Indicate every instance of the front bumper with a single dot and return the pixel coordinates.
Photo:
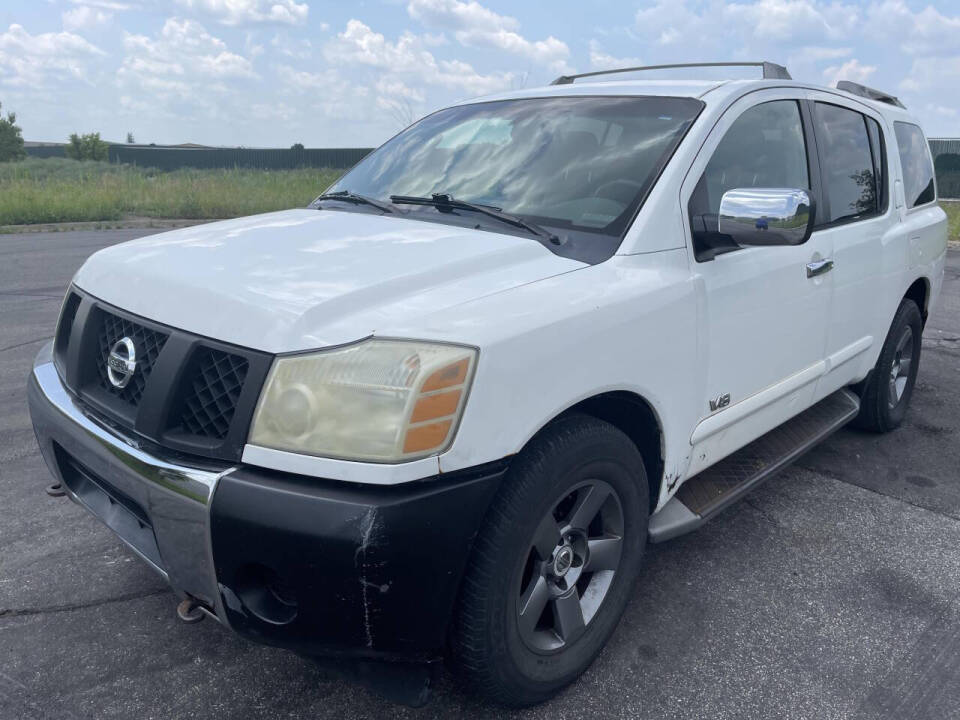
(314, 565)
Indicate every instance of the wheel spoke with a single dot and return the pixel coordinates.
(589, 502)
(904, 366)
(568, 617)
(900, 386)
(604, 554)
(533, 603)
(904, 339)
(547, 537)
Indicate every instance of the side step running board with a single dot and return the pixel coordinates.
(720, 485)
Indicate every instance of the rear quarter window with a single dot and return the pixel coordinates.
(918, 184)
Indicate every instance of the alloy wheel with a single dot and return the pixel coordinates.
(570, 566)
(900, 367)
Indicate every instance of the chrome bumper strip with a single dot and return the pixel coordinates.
(175, 498)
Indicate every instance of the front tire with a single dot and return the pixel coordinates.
(554, 563)
(886, 394)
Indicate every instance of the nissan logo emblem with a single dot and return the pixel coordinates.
(121, 362)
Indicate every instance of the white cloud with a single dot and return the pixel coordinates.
(456, 15)
(942, 110)
(291, 48)
(359, 44)
(602, 60)
(183, 64)
(323, 93)
(752, 26)
(302, 81)
(38, 60)
(758, 25)
(245, 12)
(84, 17)
(850, 70)
(474, 25)
(105, 4)
(937, 74)
(927, 32)
(815, 53)
(401, 102)
(789, 19)
(397, 88)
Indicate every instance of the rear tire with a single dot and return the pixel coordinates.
(886, 395)
(554, 563)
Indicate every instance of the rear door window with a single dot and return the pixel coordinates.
(847, 165)
(918, 185)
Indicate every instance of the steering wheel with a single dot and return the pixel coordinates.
(631, 186)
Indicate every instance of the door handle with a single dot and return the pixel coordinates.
(819, 267)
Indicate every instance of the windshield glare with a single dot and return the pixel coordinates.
(583, 163)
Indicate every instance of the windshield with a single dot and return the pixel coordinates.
(581, 165)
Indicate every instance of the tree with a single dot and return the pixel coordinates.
(402, 110)
(130, 140)
(11, 140)
(87, 147)
(297, 146)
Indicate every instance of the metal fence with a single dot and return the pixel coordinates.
(946, 163)
(170, 158)
(45, 151)
(946, 159)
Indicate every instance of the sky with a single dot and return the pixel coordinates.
(269, 73)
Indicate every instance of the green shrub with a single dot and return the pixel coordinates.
(11, 140)
(87, 147)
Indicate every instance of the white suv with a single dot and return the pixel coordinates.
(440, 412)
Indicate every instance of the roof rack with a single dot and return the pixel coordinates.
(771, 71)
(869, 93)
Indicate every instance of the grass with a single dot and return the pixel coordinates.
(953, 219)
(58, 190)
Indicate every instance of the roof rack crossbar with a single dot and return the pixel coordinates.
(869, 93)
(771, 71)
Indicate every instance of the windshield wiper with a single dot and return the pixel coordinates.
(352, 197)
(445, 203)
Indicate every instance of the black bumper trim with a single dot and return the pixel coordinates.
(323, 567)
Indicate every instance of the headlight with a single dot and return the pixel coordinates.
(379, 400)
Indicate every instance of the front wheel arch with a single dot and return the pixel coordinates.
(634, 416)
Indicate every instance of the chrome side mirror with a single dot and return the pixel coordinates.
(766, 216)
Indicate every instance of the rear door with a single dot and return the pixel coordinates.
(762, 319)
(857, 218)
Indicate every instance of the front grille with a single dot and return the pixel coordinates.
(189, 394)
(64, 327)
(214, 391)
(148, 343)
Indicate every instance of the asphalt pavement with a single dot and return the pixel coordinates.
(833, 591)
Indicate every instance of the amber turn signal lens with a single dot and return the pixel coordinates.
(430, 407)
(449, 376)
(426, 437)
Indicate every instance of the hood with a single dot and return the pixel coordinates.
(304, 279)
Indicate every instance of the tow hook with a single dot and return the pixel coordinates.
(55, 490)
(189, 610)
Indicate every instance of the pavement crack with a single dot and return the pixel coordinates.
(69, 607)
(20, 293)
(760, 511)
(24, 344)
